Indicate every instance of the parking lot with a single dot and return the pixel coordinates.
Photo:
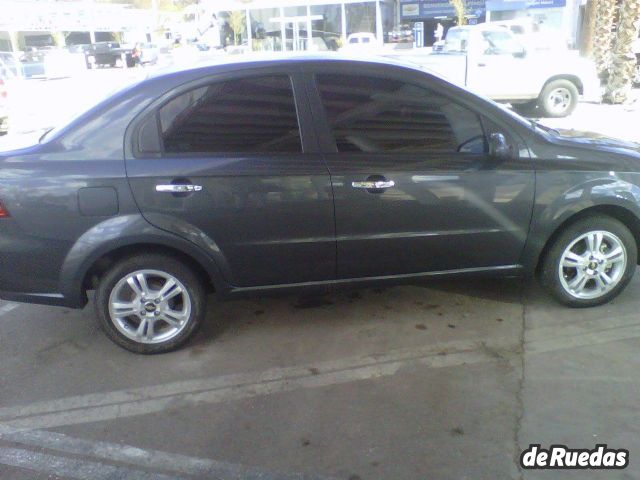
(439, 380)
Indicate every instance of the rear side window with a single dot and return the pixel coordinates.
(370, 114)
(247, 115)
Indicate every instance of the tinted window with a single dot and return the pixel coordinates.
(249, 115)
(370, 114)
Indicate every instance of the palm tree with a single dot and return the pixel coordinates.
(460, 7)
(605, 13)
(623, 65)
(238, 24)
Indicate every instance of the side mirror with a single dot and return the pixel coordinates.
(498, 147)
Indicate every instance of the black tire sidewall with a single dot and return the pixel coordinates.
(549, 272)
(162, 263)
(544, 98)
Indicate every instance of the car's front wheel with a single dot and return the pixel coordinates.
(590, 262)
(150, 303)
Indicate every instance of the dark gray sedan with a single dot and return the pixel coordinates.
(258, 176)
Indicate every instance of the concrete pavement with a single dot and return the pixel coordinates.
(449, 379)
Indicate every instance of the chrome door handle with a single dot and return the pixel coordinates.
(178, 188)
(374, 185)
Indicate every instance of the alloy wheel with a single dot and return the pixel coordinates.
(149, 306)
(592, 265)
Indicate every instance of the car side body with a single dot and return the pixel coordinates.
(88, 195)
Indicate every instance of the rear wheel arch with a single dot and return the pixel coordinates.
(101, 265)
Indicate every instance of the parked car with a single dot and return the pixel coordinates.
(4, 108)
(149, 53)
(257, 176)
(361, 42)
(10, 70)
(490, 60)
(109, 54)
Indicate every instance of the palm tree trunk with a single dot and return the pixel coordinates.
(623, 59)
(605, 11)
(588, 29)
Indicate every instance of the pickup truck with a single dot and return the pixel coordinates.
(491, 61)
(108, 54)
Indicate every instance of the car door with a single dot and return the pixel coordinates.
(232, 164)
(415, 188)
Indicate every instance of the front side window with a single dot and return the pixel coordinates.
(369, 114)
(247, 115)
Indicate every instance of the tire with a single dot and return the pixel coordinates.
(139, 327)
(559, 98)
(573, 244)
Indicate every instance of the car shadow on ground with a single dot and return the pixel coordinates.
(331, 308)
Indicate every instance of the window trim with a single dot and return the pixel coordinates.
(329, 129)
(481, 107)
(308, 141)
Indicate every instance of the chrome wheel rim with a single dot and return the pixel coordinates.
(149, 306)
(559, 100)
(592, 265)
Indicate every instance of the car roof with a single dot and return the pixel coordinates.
(276, 59)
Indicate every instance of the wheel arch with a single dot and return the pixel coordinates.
(565, 76)
(620, 213)
(117, 238)
(104, 262)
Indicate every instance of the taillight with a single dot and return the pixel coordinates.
(3, 211)
(3, 90)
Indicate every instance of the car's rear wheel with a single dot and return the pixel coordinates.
(150, 303)
(590, 262)
(559, 98)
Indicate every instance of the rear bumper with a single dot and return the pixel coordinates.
(53, 299)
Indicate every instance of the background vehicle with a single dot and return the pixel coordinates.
(109, 54)
(4, 113)
(360, 42)
(10, 71)
(227, 178)
(149, 53)
(490, 60)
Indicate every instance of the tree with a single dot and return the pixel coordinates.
(460, 6)
(605, 13)
(238, 24)
(623, 65)
(165, 5)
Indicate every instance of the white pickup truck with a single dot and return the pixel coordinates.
(491, 61)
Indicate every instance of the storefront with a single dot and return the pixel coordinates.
(301, 25)
(425, 15)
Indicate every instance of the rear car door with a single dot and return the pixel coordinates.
(232, 164)
(414, 185)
